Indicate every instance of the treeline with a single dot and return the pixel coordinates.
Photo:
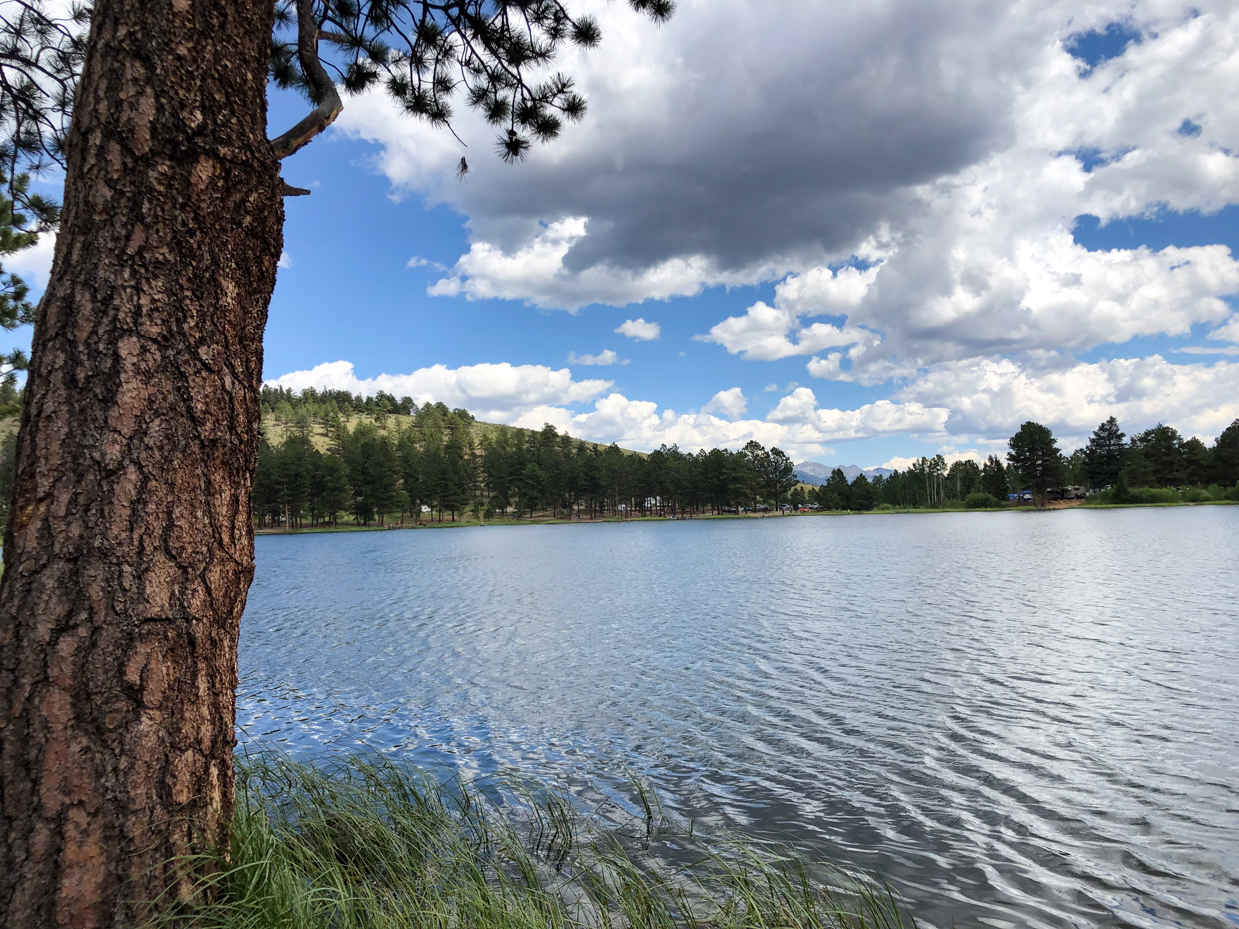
(439, 462)
(1157, 465)
(1158, 459)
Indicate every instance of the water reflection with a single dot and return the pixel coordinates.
(1020, 719)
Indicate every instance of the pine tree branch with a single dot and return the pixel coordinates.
(329, 105)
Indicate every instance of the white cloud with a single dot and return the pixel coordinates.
(33, 264)
(605, 357)
(1208, 350)
(639, 424)
(872, 419)
(492, 392)
(903, 464)
(640, 330)
(962, 183)
(991, 398)
(286, 260)
(536, 273)
(762, 333)
(417, 261)
(1228, 332)
(731, 403)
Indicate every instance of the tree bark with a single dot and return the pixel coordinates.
(129, 552)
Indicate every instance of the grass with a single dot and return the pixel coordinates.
(370, 844)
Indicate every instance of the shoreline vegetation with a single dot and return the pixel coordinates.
(366, 841)
(332, 460)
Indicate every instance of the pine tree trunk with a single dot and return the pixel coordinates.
(130, 549)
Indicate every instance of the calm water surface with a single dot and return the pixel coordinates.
(1019, 719)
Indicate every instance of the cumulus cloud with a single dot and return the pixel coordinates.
(605, 357)
(957, 187)
(286, 260)
(640, 330)
(536, 273)
(655, 167)
(992, 397)
(492, 392)
(873, 419)
(33, 264)
(1228, 332)
(731, 403)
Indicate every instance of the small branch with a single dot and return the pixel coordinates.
(329, 106)
(288, 190)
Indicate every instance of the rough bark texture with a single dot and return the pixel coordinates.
(130, 547)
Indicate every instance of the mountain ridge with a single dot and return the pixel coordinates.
(816, 473)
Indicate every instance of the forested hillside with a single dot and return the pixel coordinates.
(328, 455)
(331, 455)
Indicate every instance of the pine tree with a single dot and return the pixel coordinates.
(1035, 457)
(1158, 454)
(994, 479)
(1225, 456)
(860, 496)
(1105, 455)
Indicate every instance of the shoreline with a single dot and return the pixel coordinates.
(922, 511)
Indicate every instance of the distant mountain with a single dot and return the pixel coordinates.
(814, 472)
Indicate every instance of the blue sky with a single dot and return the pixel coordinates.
(910, 230)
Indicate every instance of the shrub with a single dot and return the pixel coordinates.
(1155, 495)
(982, 501)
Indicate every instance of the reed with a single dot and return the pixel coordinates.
(369, 843)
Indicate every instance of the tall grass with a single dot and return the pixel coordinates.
(371, 844)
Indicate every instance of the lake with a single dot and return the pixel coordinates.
(1018, 719)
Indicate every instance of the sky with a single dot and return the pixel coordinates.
(860, 232)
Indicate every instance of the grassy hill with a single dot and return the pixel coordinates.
(393, 424)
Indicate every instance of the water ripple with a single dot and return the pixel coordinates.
(1019, 719)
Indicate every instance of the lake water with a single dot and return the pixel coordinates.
(1019, 719)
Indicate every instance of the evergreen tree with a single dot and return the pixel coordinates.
(782, 474)
(834, 492)
(1035, 457)
(994, 478)
(1195, 462)
(1105, 455)
(8, 461)
(758, 461)
(1225, 456)
(962, 478)
(332, 487)
(860, 496)
(1158, 457)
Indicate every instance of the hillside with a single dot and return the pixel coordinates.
(275, 429)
